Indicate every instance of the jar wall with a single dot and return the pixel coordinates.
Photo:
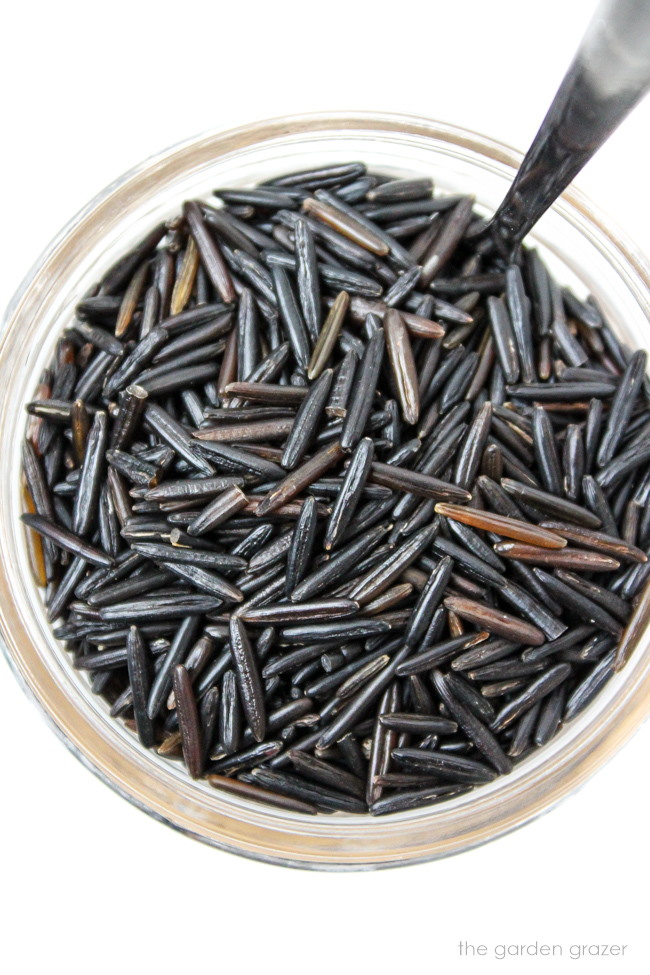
(581, 249)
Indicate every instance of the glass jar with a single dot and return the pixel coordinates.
(582, 249)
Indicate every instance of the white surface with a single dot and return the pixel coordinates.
(88, 883)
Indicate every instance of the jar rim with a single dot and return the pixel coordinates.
(229, 822)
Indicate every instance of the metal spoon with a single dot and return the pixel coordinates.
(609, 74)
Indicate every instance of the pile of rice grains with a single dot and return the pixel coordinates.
(335, 502)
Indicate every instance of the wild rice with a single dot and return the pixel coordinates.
(324, 577)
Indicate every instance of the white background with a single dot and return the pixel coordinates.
(88, 883)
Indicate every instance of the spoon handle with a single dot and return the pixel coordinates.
(609, 74)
